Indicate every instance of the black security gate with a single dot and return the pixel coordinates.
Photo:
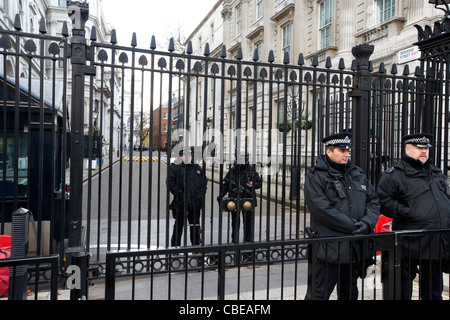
(222, 107)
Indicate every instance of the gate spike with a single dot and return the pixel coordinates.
(328, 63)
(153, 43)
(17, 24)
(239, 54)
(418, 72)
(42, 26)
(301, 59)
(341, 64)
(171, 45)
(315, 61)
(223, 53)
(381, 68)
(394, 69)
(113, 36)
(286, 58)
(65, 30)
(93, 34)
(271, 58)
(255, 55)
(189, 48)
(206, 52)
(133, 40)
(406, 70)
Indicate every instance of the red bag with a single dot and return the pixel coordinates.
(384, 224)
(5, 252)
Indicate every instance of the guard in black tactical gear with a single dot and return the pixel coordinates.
(187, 182)
(341, 202)
(240, 184)
(416, 195)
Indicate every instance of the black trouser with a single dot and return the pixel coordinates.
(247, 217)
(430, 278)
(328, 275)
(193, 217)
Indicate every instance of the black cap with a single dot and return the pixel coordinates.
(341, 140)
(422, 140)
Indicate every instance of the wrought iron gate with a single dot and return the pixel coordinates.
(277, 113)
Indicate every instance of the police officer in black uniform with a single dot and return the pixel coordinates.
(187, 182)
(341, 202)
(415, 194)
(239, 183)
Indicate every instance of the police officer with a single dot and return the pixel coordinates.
(341, 202)
(239, 183)
(187, 182)
(415, 194)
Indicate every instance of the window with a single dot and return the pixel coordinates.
(259, 9)
(286, 41)
(63, 3)
(259, 46)
(164, 128)
(164, 115)
(386, 9)
(7, 162)
(325, 24)
(238, 20)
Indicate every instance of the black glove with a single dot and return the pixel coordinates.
(362, 228)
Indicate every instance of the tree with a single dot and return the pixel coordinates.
(141, 127)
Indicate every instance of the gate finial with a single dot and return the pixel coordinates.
(79, 14)
(362, 54)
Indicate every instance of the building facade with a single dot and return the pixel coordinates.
(319, 30)
(55, 13)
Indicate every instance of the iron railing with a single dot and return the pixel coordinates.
(269, 270)
(244, 105)
(42, 270)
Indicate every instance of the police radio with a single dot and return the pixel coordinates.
(340, 189)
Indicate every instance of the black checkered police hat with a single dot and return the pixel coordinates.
(341, 140)
(421, 140)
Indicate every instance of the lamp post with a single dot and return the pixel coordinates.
(292, 109)
(118, 140)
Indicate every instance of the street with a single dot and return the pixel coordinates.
(144, 222)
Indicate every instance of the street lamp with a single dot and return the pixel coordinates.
(119, 136)
(293, 90)
(440, 3)
(95, 116)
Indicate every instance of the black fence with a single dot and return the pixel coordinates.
(278, 270)
(32, 277)
(220, 106)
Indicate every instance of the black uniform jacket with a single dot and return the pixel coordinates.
(335, 215)
(415, 196)
(187, 182)
(236, 179)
